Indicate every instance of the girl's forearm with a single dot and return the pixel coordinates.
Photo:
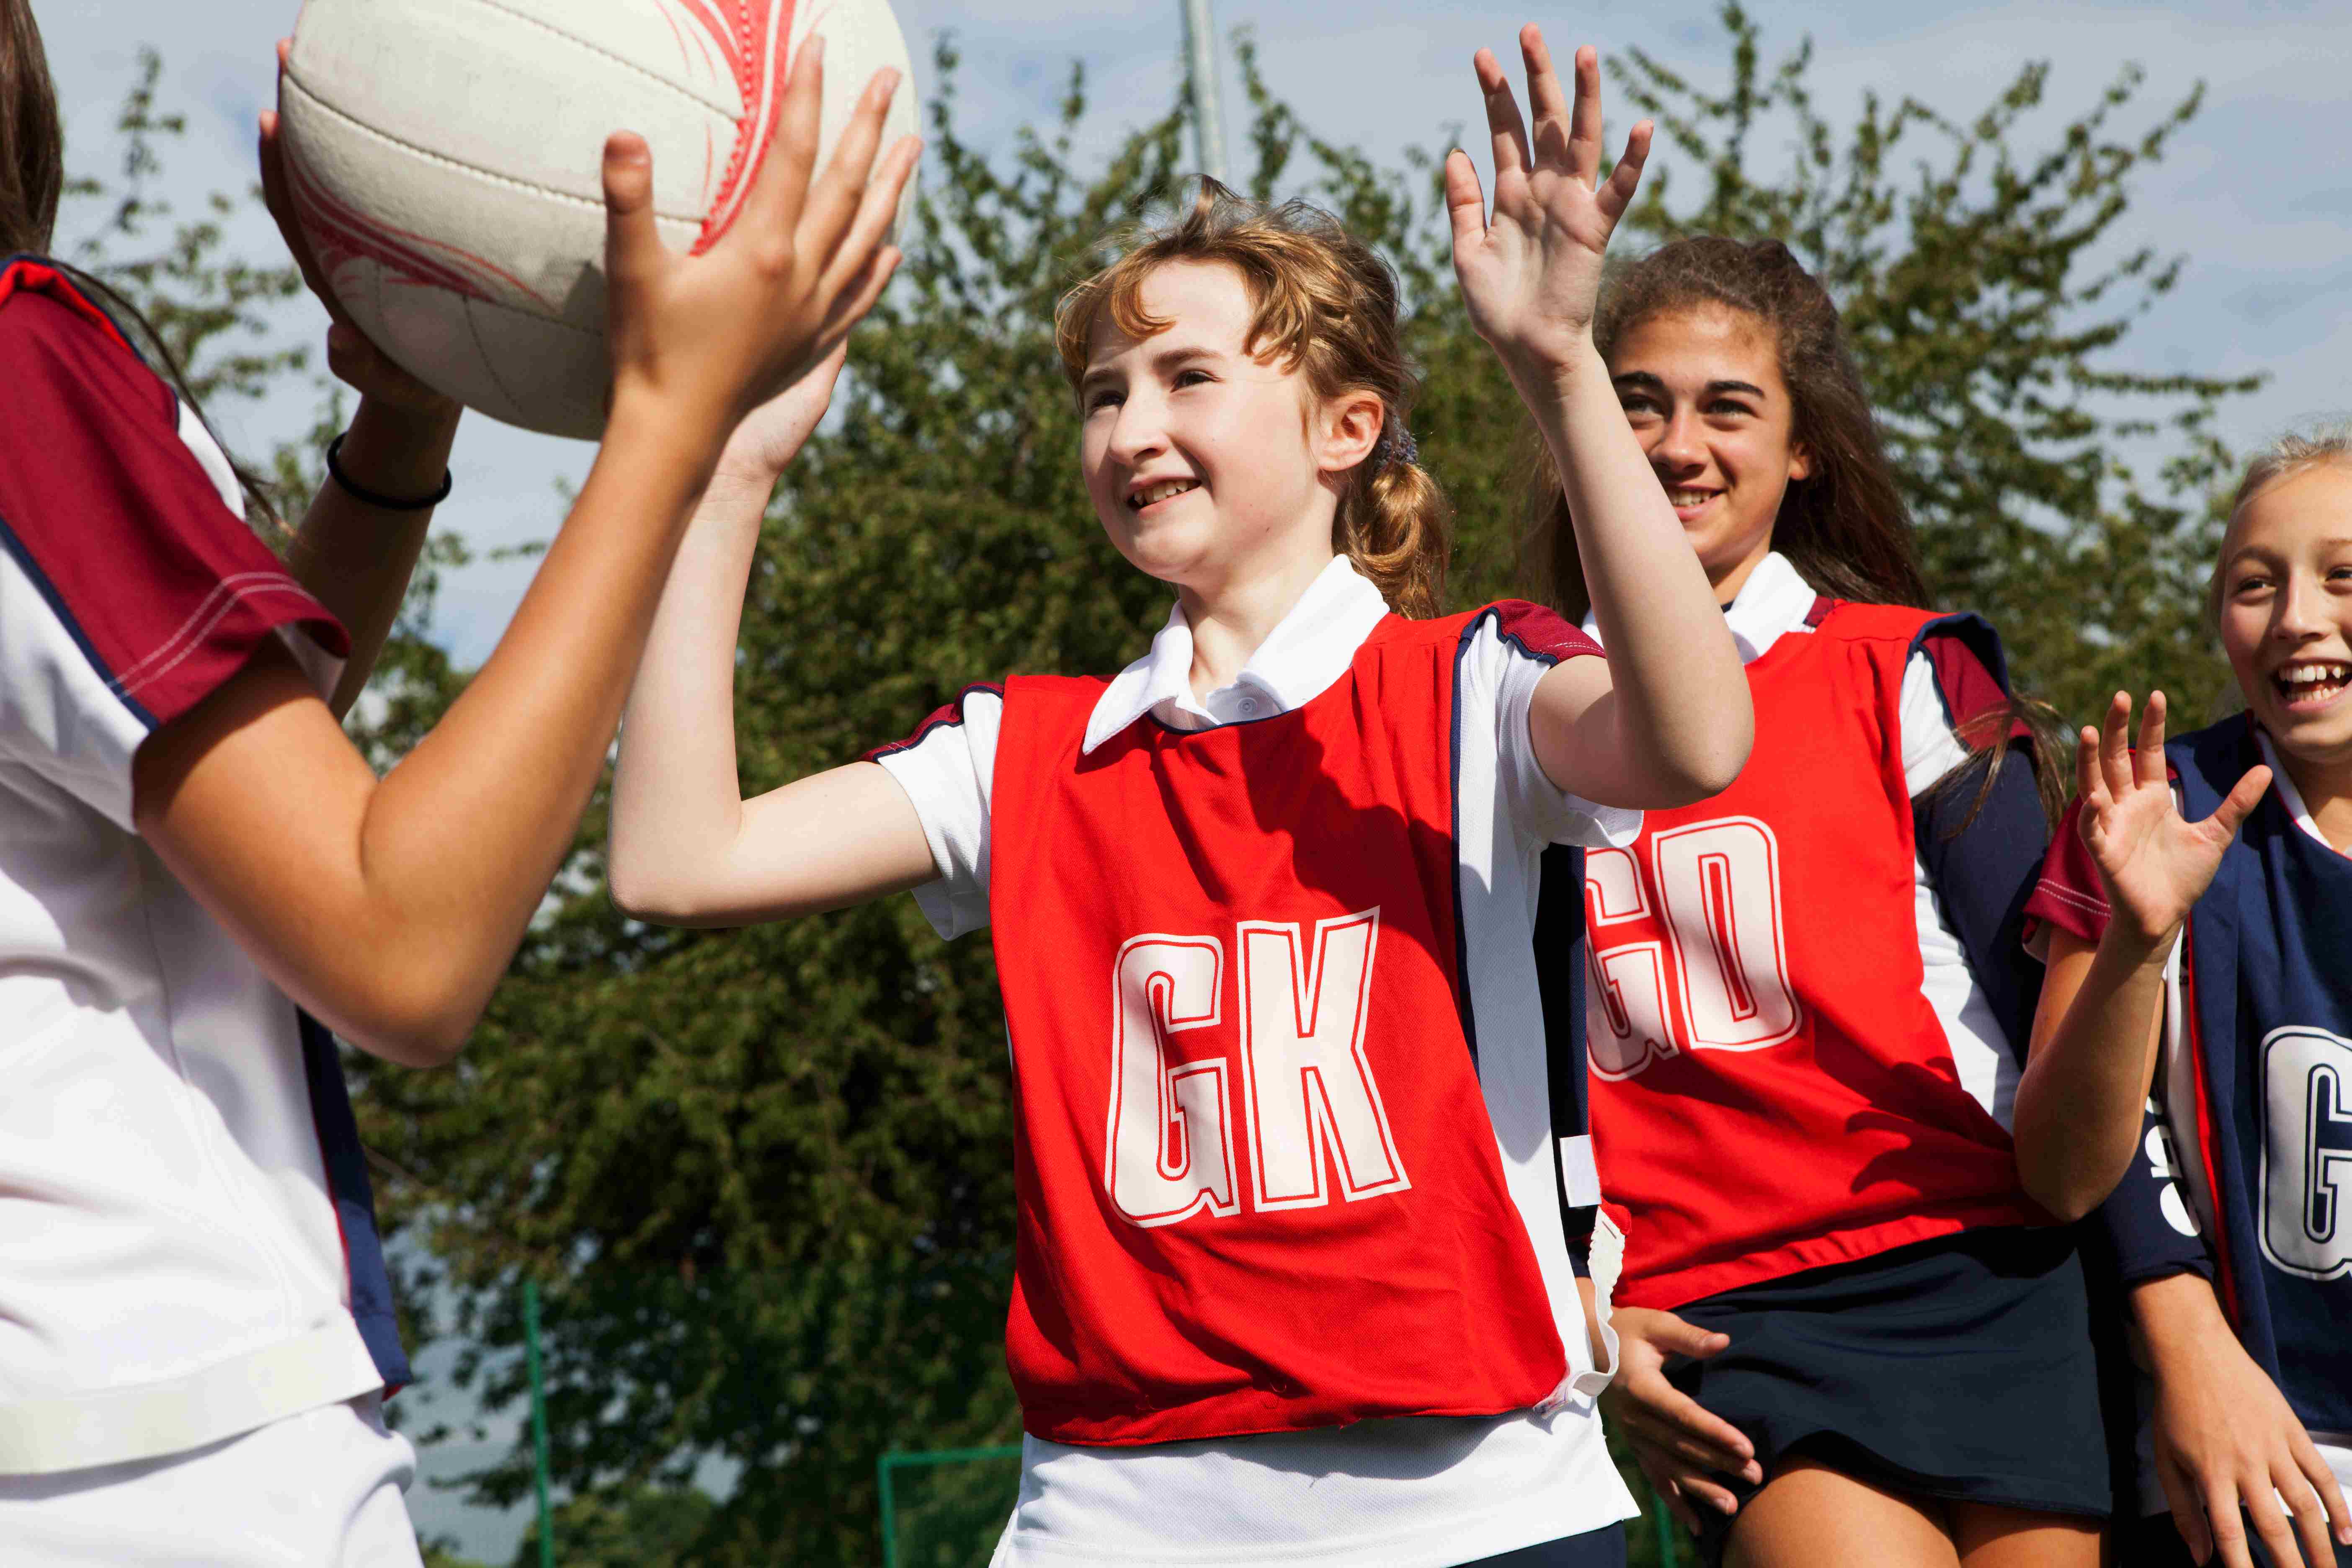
(1683, 719)
(356, 559)
(2077, 1115)
(461, 839)
(677, 796)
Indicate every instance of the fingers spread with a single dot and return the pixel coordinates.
(2242, 798)
(2148, 758)
(1465, 204)
(2115, 746)
(2226, 1527)
(1508, 130)
(1584, 125)
(2310, 1516)
(772, 204)
(843, 201)
(1617, 193)
(2087, 782)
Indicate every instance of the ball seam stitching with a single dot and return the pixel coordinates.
(489, 176)
(730, 115)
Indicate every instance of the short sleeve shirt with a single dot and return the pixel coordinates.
(174, 1136)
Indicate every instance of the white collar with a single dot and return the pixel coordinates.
(1772, 602)
(1308, 649)
(2289, 796)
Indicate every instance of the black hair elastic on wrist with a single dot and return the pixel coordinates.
(389, 503)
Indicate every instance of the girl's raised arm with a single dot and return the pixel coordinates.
(2095, 1030)
(687, 850)
(1667, 721)
(390, 908)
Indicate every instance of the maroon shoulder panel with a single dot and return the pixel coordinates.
(166, 590)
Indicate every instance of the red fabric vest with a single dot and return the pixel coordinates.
(1258, 1189)
(1771, 1089)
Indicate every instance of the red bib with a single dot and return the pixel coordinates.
(1772, 1089)
(1258, 1187)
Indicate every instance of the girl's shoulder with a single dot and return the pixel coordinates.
(55, 337)
(1517, 626)
(1849, 620)
(119, 514)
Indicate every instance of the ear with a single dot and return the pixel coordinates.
(1350, 428)
(1800, 463)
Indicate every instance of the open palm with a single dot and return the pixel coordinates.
(2155, 862)
(1531, 274)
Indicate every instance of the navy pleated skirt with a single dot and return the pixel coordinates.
(1960, 1368)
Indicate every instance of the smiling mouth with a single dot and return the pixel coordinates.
(1166, 490)
(2311, 685)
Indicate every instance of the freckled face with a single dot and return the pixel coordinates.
(1702, 389)
(2286, 612)
(1196, 455)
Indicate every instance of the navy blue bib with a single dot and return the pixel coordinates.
(2270, 972)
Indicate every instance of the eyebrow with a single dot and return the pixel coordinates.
(1643, 381)
(1162, 360)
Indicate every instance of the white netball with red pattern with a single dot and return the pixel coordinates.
(444, 158)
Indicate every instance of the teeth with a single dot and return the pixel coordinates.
(1690, 497)
(2306, 676)
(1152, 494)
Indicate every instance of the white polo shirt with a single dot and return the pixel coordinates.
(186, 1242)
(1425, 1490)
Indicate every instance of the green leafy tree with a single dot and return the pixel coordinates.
(764, 1177)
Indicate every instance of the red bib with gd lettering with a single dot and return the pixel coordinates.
(1773, 1091)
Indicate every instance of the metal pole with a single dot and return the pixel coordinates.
(1208, 117)
(889, 1511)
(538, 1420)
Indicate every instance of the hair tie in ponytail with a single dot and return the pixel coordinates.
(1396, 445)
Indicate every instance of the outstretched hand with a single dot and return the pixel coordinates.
(2155, 863)
(708, 338)
(1531, 274)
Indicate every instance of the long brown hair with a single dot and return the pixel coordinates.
(1322, 302)
(33, 181)
(1844, 527)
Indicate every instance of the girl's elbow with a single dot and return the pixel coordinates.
(415, 1030)
(1703, 771)
(2065, 1194)
(649, 900)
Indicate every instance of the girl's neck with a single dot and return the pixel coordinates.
(2326, 793)
(1231, 620)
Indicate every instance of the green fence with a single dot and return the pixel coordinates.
(945, 1507)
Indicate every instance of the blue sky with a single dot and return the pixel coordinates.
(2256, 192)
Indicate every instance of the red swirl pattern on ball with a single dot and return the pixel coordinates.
(338, 234)
(754, 36)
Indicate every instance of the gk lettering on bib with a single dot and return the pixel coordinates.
(1313, 1103)
(1259, 1187)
